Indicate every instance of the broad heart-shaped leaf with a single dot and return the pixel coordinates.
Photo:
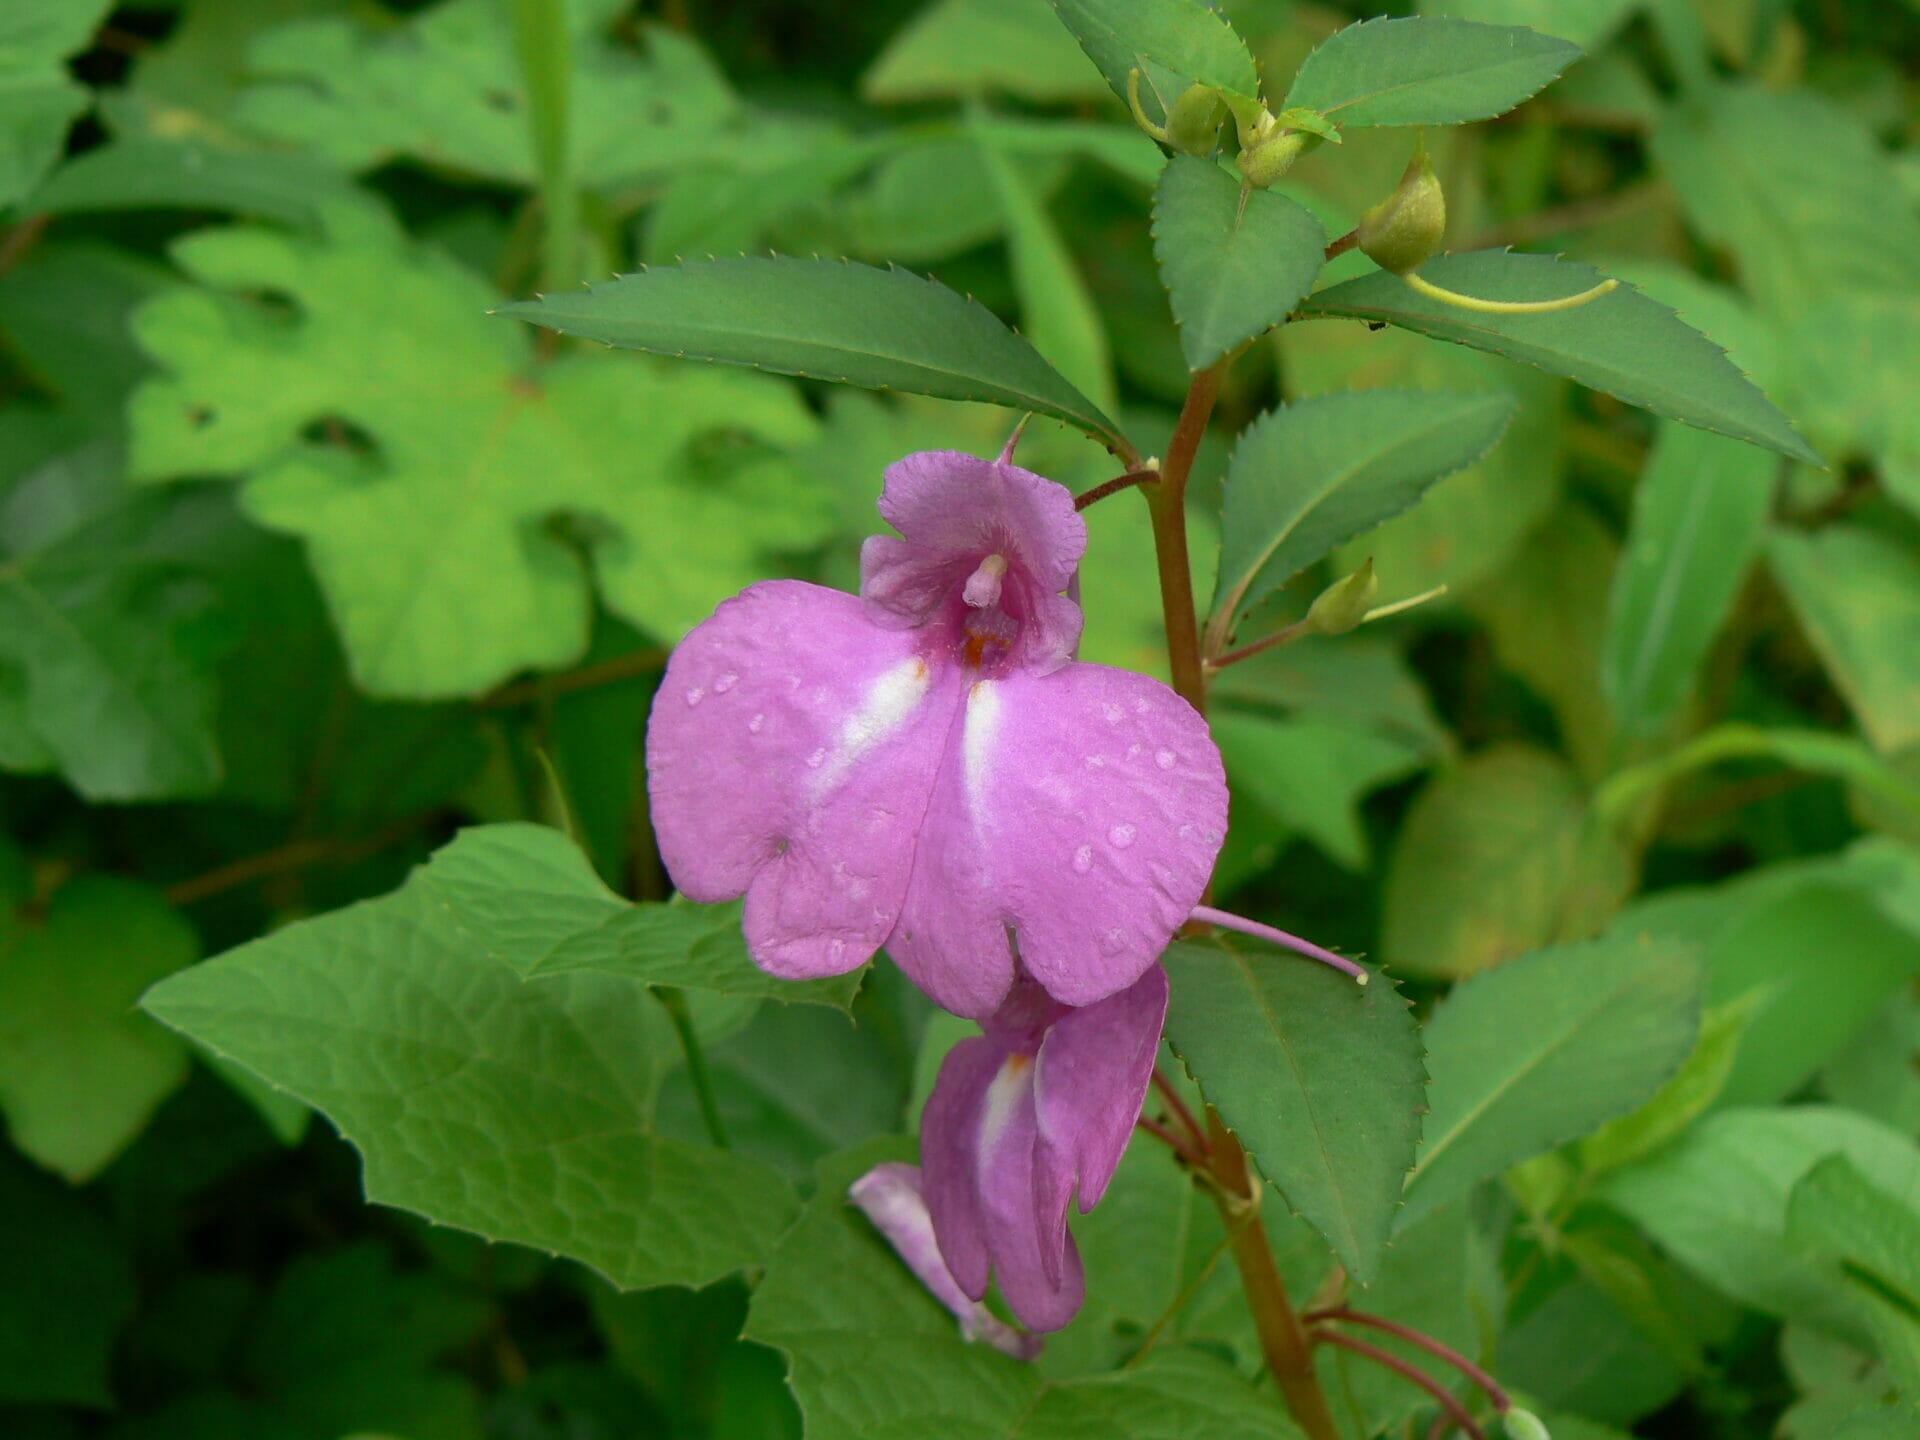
(1870, 1237)
(445, 88)
(1624, 343)
(520, 1111)
(1717, 1201)
(1235, 267)
(872, 1356)
(1796, 188)
(826, 319)
(1317, 472)
(106, 630)
(1426, 70)
(449, 542)
(1699, 514)
(80, 1070)
(1173, 43)
(1321, 1079)
(37, 99)
(1545, 1048)
(1857, 594)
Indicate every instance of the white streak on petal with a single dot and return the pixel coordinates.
(888, 704)
(982, 725)
(1009, 1087)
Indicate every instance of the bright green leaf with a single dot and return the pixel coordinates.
(1545, 1048)
(437, 548)
(80, 1070)
(962, 48)
(1624, 343)
(1321, 1079)
(830, 320)
(37, 99)
(1425, 70)
(1694, 1087)
(1871, 1238)
(1584, 22)
(1317, 472)
(1878, 1073)
(1852, 358)
(1173, 43)
(142, 172)
(1857, 593)
(1699, 514)
(520, 1111)
(1235, 261)
(1717, 1200)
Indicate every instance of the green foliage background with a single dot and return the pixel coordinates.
(307, 562)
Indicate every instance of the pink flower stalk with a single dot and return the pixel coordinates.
(1040, 1106)
(926, 766)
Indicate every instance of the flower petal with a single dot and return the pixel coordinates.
(949, 1145)
(1083, 811)
(1038, 1272)
(790, 753)
(950, 501)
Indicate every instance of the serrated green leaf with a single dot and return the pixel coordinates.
(1425, 70)
(1584, 22)
(518, 1111)
(871, 1354)
(1699, 514)
(1235, 261)
(1857, 593)
(1321, 1079)
(80, 1071)
(962, 48)
(1312, 474)
(445, 88)
(1173, 43)
(1871, 1239)
(1544, 1049)
(831, 320)
(436, 547)
(1799, 192)
(37, 99)
(1699, 1081)
(1716, 1200)
(1624, 343)
(1496, 857)
(1853, 357)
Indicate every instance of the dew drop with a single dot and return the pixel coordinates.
(1165, 759)
(1113, 942)
(1121, 836)
(1096, 762)
(725, 683)
(753, 725)
(1083, 860)
(1113, 713)
(695, 696)
(817, 758)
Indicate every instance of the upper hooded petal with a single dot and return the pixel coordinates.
(1080, 810)
(791, 752)
(949, 502)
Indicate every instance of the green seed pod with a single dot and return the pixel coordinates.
(1404, 229)
(1193, 124)
(1271, 156)
(1345, 603)
(1524, 1425)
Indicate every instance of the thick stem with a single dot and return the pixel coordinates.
(1283, 1339)
(1167, 502)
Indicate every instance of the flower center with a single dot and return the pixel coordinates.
(990, 630)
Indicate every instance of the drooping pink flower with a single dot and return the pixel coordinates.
(926, 766)
(1038, 1108)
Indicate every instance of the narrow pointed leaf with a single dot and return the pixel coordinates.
(1542, 1050)
(1173, 43)
(1234, 270)
(1624, 343)
(1427, 70)
(1320, 1078)
(827, 319)
(1310, 475)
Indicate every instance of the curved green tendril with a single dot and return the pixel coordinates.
(1506, 307)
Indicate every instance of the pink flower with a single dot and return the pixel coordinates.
(1039, 1107)
(926, 766)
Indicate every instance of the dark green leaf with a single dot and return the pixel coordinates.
(1623, 343)
(1320, 1077)
(1173, 43)
(1426, 70)
(831, 320)
(144, 172)
(1871, 1239)
(1235, 261)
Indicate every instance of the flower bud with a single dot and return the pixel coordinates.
(1404, 229)
(1524, 1425)
(1272, 153)
(1345, 603)
(1193, 124)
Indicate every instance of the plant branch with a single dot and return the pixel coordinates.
(1167, 503)
(1345, 243)
(296, 855)
(697, 1073)
(1179, 1144)
(604, 672)
(1179, 1107)
(1501, 1400)
(1575, 215)
(1144, 476)
(1407, 1370)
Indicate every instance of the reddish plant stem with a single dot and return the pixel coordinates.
(297, 855)
(1177, 1143)
(1180, 1110)
(1115, 486)
(1345, 243)
(1407, 1370)
(1167, 502)
(1501, 1400)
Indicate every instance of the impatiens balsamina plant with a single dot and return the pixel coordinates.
(926, 773)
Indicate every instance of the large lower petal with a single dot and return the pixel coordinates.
(1082, 811)
(790, 755)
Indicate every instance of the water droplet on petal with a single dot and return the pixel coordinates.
(1113, 713)
(753, 725)
(1113, 942)
(695, 696)
(1083, 860)
(1165, 759)
(725, 683)
(817, 758)
(1096, 762)
(1142, 707)
(1121, 836)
